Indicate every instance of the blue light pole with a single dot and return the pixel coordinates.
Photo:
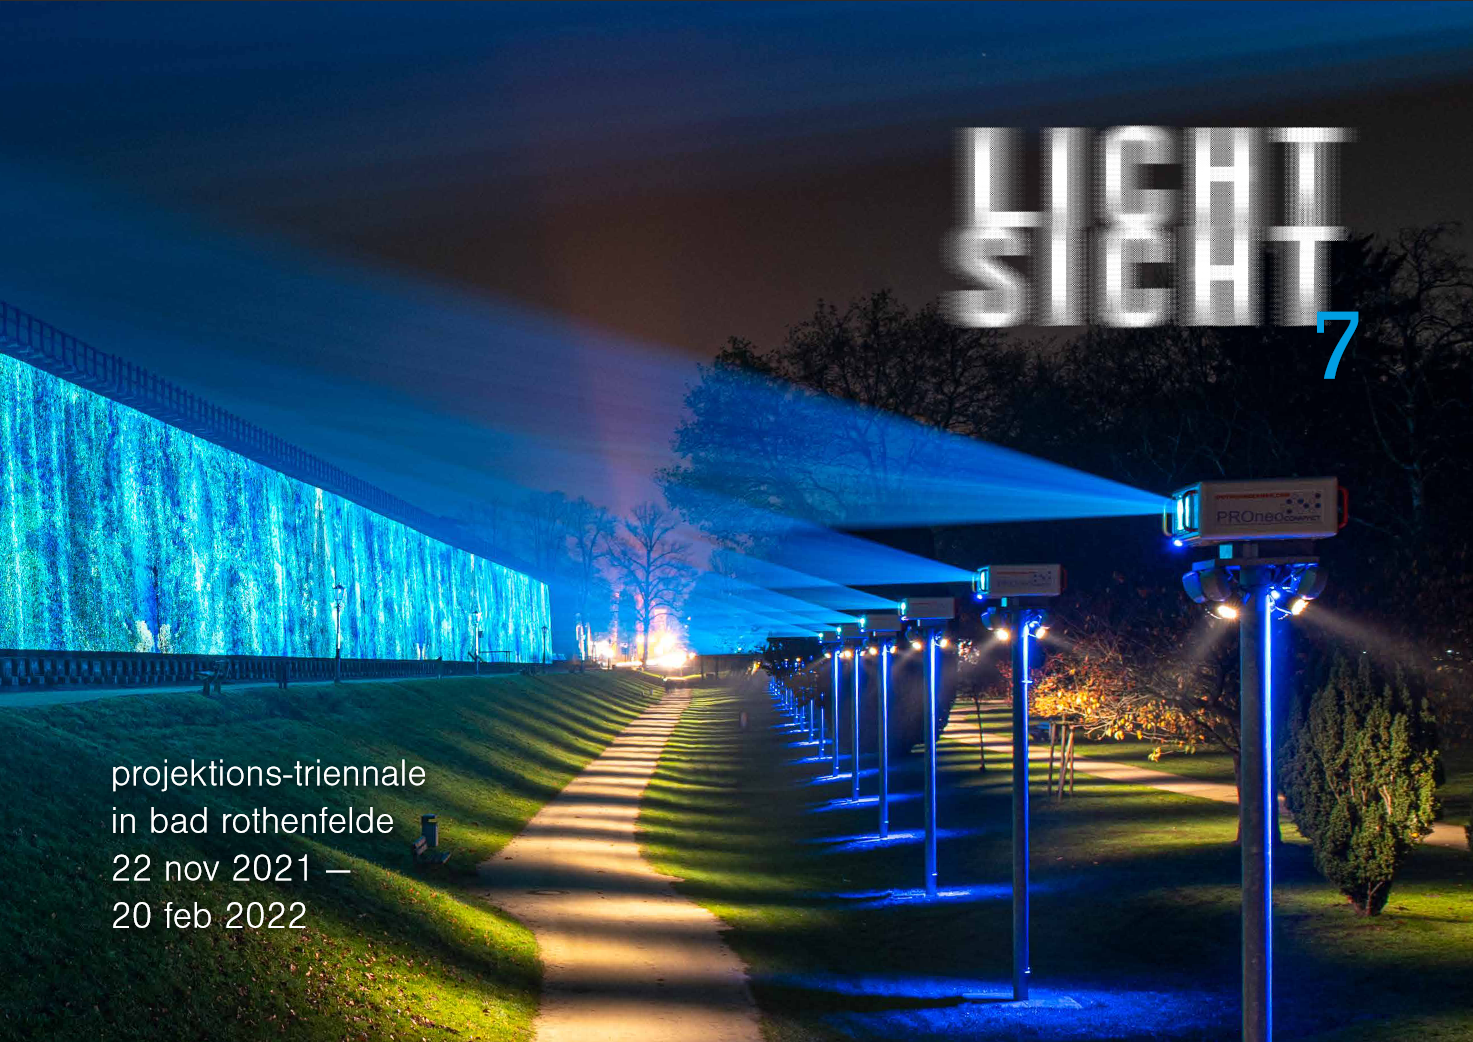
(884, 738)
(838, 672)
(885, 628)
(1027, 623)
(832, 643)
(1257, 810)
(933, 681)
(1019, 588)
(1241, 585)
(854, 719)
(931, 616)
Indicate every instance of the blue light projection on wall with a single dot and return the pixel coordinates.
(119, 532)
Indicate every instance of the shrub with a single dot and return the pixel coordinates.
(1360, 778)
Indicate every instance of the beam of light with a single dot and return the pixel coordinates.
(795, 453)
(851, 560)
(1366, 638)
(442, 397)
(801, 585)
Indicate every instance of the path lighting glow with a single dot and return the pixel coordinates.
(1225, 611)
(1003, 634)
(916, 645)
(944, 642)
(846, 654)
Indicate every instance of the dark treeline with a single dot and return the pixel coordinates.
(1157, 409)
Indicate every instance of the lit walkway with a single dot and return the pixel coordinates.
(624, 956)
(963, 728)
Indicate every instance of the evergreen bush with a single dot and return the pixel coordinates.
(1360, 778)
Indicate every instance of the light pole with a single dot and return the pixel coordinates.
(886, 628)
(475, 631)
(1234, 517)
(1019, 589)
(931, 616)
(833, 645)
(339, 598)
(859, 642)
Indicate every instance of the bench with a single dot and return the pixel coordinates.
(213, 678)
(420, 851)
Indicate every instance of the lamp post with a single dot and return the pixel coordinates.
(859, 641)
(475, 620)
(339, 598)
(886, 629)
(833, 645)
(1234, 517)
(544, 649)
(1019, 589)
(931, 616)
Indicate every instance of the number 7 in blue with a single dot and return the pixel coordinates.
(1351, 317)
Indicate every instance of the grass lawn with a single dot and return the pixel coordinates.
(1204, 764)
(1134, 905)
(1208, 764)
(387, 953)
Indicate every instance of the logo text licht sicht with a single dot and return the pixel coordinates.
(1135, 253)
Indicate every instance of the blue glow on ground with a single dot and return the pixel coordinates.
(847, 804)
(925, 1008)
(846, 775)
(831, 777)
(870, 841)
(917, 895)
(119, 532)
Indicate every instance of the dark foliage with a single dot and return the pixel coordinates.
(1360, 776)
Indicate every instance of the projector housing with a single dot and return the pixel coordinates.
(1212, 512)
(994, 581)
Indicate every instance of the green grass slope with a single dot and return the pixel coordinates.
(387, 953)
(1135, 904)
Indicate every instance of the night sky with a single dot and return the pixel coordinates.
(465, 248)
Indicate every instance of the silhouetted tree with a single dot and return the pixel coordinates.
(653, 564)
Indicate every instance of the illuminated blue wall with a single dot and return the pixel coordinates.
(119, 532)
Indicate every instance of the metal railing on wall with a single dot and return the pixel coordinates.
(123, 669)
(42, 345)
